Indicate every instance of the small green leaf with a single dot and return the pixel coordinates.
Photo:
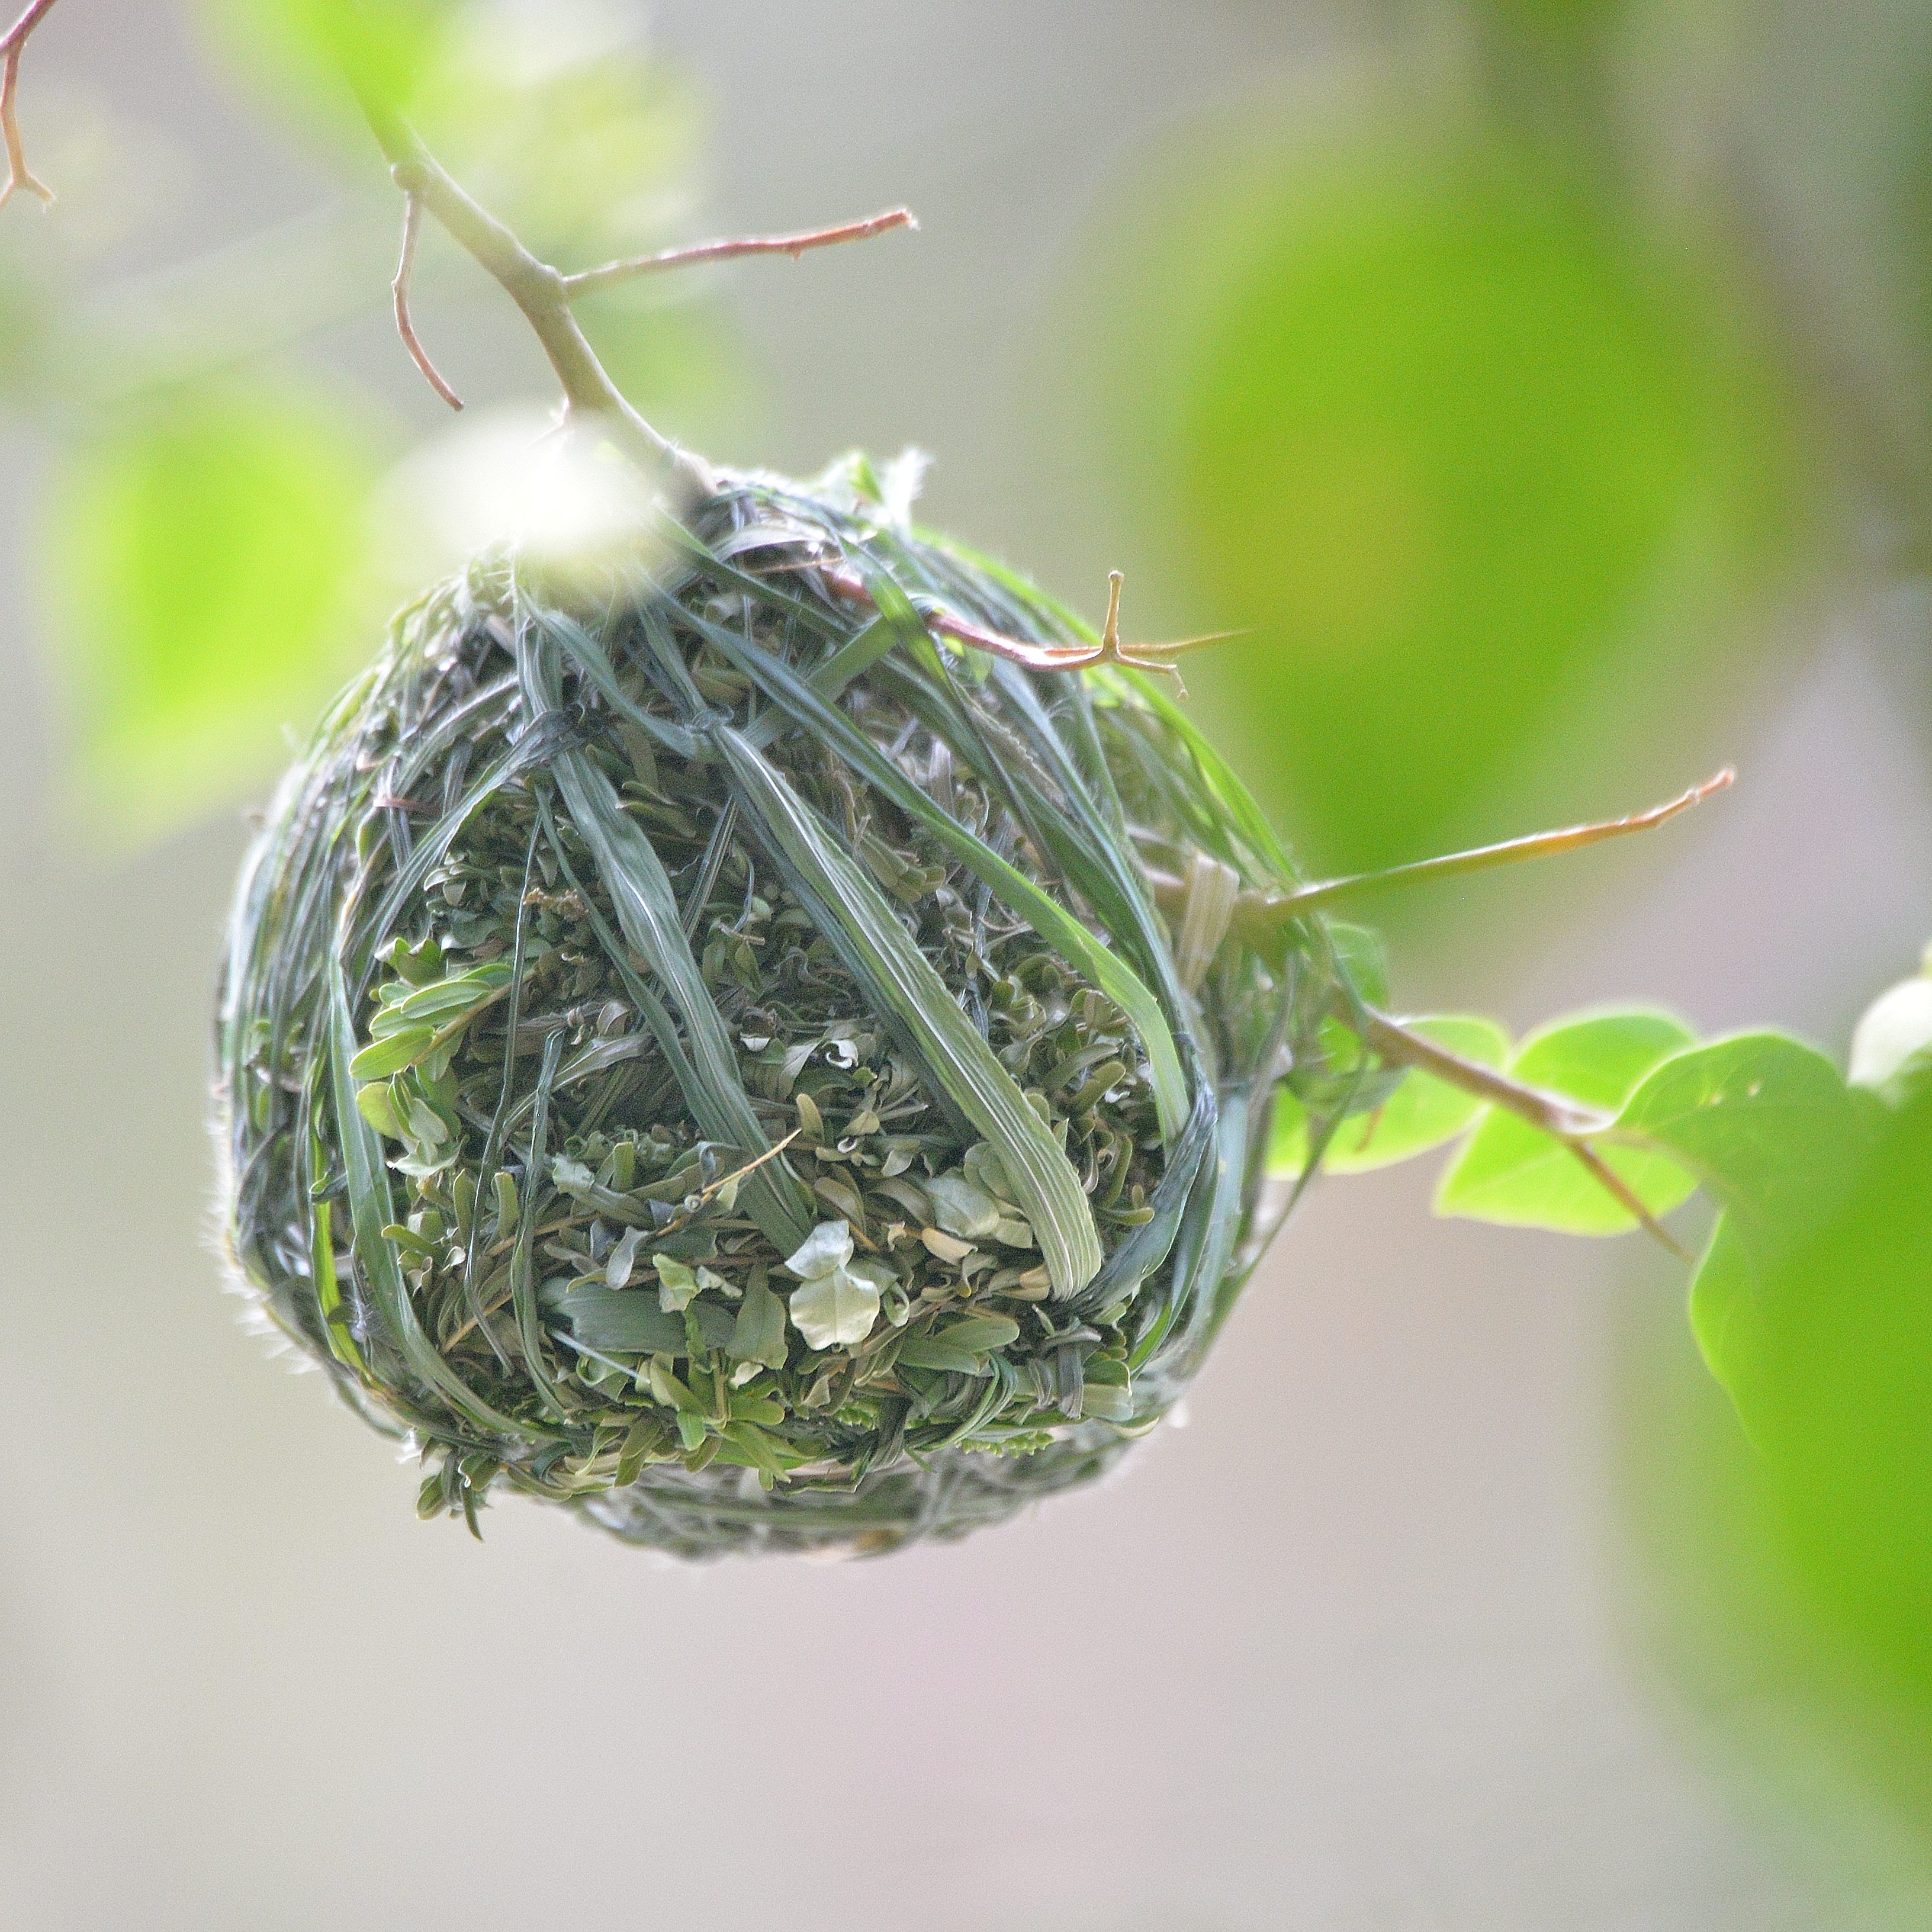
(835, 1309)
(980, 1334)
(758, 1335)
(622, 1322)
(929, 1351)
(676, 1283)
(208, 558)
(1514, 1173)
(1424, 1111)
(378, 1108)
(1109, 1392)
(1362, 956)
(383, 1057)
(961, 1208)
(1420, 1113)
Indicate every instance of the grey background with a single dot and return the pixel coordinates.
(1353, 1649)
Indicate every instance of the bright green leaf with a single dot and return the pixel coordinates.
(383, 1057)
(1774, 1132)
(757, 1335)
(206, 556)
(1764, 1119)
(1421, 1113)
(1514, 1173)
(835, 1309)
(1424, 1111)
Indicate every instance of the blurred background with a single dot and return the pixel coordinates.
(1543, 387)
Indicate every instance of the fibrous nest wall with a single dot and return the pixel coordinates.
(707, 1053)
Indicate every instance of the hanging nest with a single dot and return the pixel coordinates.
(711, 1058)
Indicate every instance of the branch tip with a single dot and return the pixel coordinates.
(611, 273)
(1264, 911)
(12, 44)
(400, 288)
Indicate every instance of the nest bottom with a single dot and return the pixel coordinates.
(722, 1512)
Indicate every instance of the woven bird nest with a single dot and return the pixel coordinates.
(711, 1057)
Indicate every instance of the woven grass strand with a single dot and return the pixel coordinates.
(599, 950)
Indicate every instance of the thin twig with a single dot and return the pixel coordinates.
(537, 289)
(13, 44)
(1259, 916)
(849, 585)
(1509, 852)
(1553, 1113)
(406, 326)
(611, 273)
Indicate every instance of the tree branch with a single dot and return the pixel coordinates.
(537, 289)
(1551, 1114)
(400, 288)
(13, 44)
(850, 586)
(1258, 916)
(612, 273)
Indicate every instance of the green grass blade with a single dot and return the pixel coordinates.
(802, 701)
(856, 919)
(647, 916)
(371, 1211)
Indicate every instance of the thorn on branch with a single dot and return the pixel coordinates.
(591, 280)
(13, 44)
(406, 326)
(1033, 656)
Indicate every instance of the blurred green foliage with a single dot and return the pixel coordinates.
(208, 556)
(1795, 1572)
(1509, 1172)
(1480, 466)
(1838, 1392)
(554, 116)
(209, 560)
(1493, 448)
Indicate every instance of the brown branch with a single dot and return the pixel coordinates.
(13, 44)
(849, 585)
(1553, 1113)
(400, 288)
(537, 289)
(1258, 916)
(1510, 852)
(611, 273)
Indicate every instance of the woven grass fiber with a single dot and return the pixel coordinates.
(707, 1054)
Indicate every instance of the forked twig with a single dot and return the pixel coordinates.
(849, 585)
(13, 44)
(591, 280)
(537, 289)
(406, 326)
(1553, 1113)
